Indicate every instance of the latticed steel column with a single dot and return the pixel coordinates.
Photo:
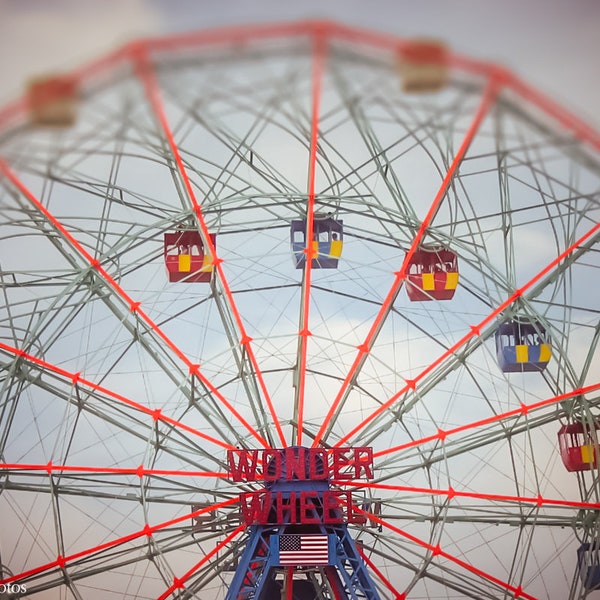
(343, 577)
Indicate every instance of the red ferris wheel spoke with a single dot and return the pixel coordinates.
(179, 582)
(318, 65)
(438, 551)
(62, 561)
(133, 306)
(140, 471)
(475, 331)
(487, 100)
(146, 74)
(77, 379)
(451, 493)
(382, 577)
(524, 409)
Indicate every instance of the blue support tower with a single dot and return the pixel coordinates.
(299, 545)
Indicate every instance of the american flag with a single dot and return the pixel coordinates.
(303, 549)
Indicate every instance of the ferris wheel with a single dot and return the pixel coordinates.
(298, 311)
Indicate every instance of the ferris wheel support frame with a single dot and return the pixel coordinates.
(140, 55)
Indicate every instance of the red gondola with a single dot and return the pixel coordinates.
(185, 257)
(432, 274)
(578, 447)
(53, 101)
(424, 66)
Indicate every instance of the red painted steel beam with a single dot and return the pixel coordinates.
(488, 98)
(382, 577)
(18, 110)
(335, 31)
(146, 74)
(63, 561)
(437, 551)
(179, 582)
(238, 34)
(384, 41)
(140, 471)
(77, 379)
(134, 307)
(289, 583)
(451, 493)
(13, 111)
(474, 332)
(579, 128)
(318, 66)
(333, 577)
(523, 410)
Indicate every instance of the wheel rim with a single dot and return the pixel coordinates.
(122, 392)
